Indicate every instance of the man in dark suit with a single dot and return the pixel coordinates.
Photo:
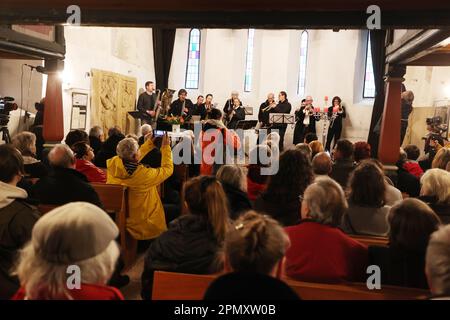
(64, 184)
(283, 106)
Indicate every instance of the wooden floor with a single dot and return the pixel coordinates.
(133, 290)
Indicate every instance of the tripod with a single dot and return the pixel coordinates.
(5, 134)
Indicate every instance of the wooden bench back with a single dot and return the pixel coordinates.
(180, 286)
(371, 240)
(112, 196)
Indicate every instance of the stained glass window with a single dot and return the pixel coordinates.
(193, 60)
(249, 61)
(303, 59)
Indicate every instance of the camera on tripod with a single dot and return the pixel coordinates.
(7, 105)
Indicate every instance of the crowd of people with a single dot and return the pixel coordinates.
(251, 228)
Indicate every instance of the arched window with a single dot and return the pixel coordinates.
(249, 61)
(369, 81)
(303, 58)
(193, 60)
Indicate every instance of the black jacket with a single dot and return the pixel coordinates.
(237, 200)
(95, 143)
(300, 117)
(282, 107)
(442, 210)
(337, 123)
(65, 185)
(398, 267)
(239, 115)
(202, 111)
(189, 246)
(407, 183)
(16, 222)
(263, 116)
(229, 105)
(146, 102)
(341, 171)
(176, 108)
(108, 150)
(285, 212)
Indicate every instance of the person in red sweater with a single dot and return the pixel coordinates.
(410, 164)
(71, 256)
(84, 155)
(257, 181)
(215, 135)
(321, 252)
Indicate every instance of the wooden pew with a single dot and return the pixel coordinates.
(371, 240)
(180, 286)
(115, 200)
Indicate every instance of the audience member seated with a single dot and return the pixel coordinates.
(436, 192)
(367, 211)
(343, 162)
(16, 217)
(392, 195)
(75, 136)
(256, 180)
(133, 136)
(441, 159)
(253, 252)
(108, 149)
(411, 222)
(234, 184)
(310, 137)
(146, 220)
(214, 129)
(84, 155)
(96, 137)
(362, 151)
(76, 234)
(410, 164)
(316, 147)
(145, 130)
(305, 148)
(320, 251)
(194, 239)
(64, 184)
(272, 140)
(25, 142)
(407, 183)
(280, 199)
(437, 264)
(321, 164)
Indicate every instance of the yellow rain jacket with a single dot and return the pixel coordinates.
(146, 213)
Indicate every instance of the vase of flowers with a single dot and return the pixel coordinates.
(175, 121)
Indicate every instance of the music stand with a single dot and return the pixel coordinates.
(246, 124)
(136, 115)
(281, 118)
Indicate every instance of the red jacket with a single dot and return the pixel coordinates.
(92, 173)
(321, 253)
(414, 168)
(87, 292)
(208, 142)
(254, 189)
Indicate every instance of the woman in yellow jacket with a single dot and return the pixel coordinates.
(146, 220)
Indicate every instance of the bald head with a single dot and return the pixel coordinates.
(62, 156)
(321, 163)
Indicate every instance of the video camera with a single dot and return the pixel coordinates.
(7, 105)
(436, 124)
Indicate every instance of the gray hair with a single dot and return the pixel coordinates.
(326, 201)
(436, 182)
(61, 156)
(96, 131)
(438, 261)
(127, 149)
(233, 175)
(145, 129)
(35, 272)
(25, 142)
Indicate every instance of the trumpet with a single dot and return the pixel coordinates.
(270, 106)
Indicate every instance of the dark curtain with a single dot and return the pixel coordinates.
(163, 41)
(377, 41)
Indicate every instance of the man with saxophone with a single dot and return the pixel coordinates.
(182, 106)
(147, 103)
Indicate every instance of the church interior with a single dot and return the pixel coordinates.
(350, 102)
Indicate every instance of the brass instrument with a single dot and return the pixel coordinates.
(270, 106)
(158, 107)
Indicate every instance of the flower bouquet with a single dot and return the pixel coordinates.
(175, 122)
